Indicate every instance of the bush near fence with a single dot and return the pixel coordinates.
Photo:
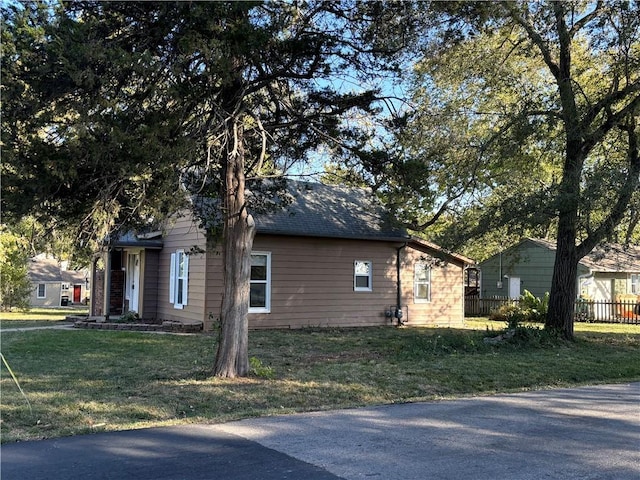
(585, 310)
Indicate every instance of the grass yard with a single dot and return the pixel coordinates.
(83, 381)
(38, 317)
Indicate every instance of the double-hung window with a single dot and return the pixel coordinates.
(635, 283)
(362, 276)
(422, 283)
(42, 290)
(179, 279)
(260, 283)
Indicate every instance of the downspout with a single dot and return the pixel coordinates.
(398, 311)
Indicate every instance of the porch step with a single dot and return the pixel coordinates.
(169, 326)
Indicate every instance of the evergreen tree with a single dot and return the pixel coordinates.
(120, 111)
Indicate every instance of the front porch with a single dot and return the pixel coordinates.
(124, 277)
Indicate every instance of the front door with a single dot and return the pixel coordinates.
(133, 281)
(514, 287)
(77, 293)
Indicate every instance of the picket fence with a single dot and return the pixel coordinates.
(585, 311)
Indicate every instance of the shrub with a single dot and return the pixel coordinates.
(129, 317)
(259, 369)
(535, 308)
(513, 315)
(528, 309)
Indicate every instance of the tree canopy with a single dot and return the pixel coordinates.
(122, 112)
(552, 91)
(522, 119)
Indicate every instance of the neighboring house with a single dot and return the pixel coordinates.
(609, 273)
(54, 285)
(328, 259)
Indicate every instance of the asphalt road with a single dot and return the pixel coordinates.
(569, 434)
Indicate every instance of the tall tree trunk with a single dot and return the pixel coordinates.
(565, 270)
(232, 358)
(563, 282)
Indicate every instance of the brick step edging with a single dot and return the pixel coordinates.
(174, 327)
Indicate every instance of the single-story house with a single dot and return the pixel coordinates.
(54, 285)
(330, 258)
(610, 272)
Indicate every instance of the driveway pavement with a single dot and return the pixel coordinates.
(582, 433)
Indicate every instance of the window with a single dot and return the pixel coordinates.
(635, 284)
(362, 276)
(422, 283)
(42, 290)
(65, 287)
(260, 283)
(179, 279)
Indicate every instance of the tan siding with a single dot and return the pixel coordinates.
(53, 294)
(213, 293)
(312, 282)
(312, 285)
(183, 234)
(446, 306)
(150, 287)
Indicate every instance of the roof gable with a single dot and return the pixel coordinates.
(44, 270)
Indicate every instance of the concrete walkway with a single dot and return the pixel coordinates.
(569, 434)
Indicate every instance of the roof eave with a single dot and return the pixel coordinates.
(383, 238)
(442, 251)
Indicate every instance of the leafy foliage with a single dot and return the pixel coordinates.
(15, 285)
(529, 112)
(529, 308)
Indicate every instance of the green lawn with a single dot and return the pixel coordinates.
(37, 317)
(82, 381)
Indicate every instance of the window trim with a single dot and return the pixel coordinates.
(417, 283)
(369, 287)
(636, 283)
(267, 282)
(174, 279)
(44, 290)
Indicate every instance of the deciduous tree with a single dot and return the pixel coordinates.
(539, 104)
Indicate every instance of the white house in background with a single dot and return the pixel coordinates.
(53, 285)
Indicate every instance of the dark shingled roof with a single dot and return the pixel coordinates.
(140, 240)
(613, 257)
(330, 211)
(44, 270)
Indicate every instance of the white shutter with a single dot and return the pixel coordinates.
(172, 279)
(185, 282)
